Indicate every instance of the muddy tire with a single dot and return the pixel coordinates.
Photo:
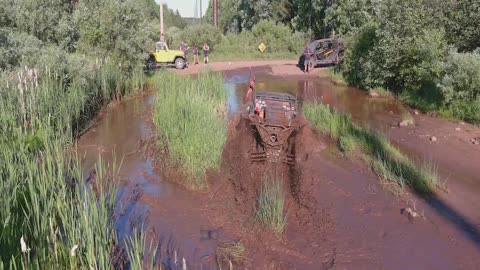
(179, 63)
(150, 64)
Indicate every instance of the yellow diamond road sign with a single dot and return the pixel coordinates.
(262, 47)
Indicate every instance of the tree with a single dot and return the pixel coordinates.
(41, 19)
(401, 51)
(462, 24)
(238, 15)
(345, 16)
(112, 28)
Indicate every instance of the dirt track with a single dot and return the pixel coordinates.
(339, 216)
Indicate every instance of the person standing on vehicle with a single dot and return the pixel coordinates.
(251, 88)
(195, 55)
(184, 48)
(206, 49)
(307, 53)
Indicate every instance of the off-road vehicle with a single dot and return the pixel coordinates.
(273, 118)
(325, 52)
(162, 56)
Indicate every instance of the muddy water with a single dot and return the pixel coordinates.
(453, 160)
(163, 209)
(174, 218)
(368, 111)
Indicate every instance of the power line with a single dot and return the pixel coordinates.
(195, 11)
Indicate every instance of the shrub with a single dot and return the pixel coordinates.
(460, 86)
(243, 43)
(18, 48)
(359, 68)
(461, 79)
(271, 203)
(199, 34)
(278, 37)
(400, 51)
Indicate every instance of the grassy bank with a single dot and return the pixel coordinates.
(44, 201)
(336, 77)
(387, 161)
(271, 203)
(190, 116)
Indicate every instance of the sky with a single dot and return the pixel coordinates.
(185, 7)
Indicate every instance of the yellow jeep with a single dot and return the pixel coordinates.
(165, 57)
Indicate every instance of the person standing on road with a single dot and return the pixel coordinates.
(184, 48)
(195, 55)
(307, 53)
(206, 49)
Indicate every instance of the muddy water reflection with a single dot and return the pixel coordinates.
(163, 209)
(369, 111)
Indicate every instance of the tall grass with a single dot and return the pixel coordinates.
(387, 161)
(190, 115)
(335, 75)
(271, 203)
(138, 251)
(64, 223)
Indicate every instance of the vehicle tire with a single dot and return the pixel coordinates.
(341, 56)
(180, 63)
(150, 63)
(301, 62)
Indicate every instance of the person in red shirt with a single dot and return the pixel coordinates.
(251, 87)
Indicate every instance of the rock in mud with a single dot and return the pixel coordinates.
(416, 112)
(433, 139)
(410, 213)
(475, 141)
(405, 123)
(373, 94)
(458, 129)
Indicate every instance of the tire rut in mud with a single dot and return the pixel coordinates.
(244, 181)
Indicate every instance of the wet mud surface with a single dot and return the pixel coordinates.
(338, 214)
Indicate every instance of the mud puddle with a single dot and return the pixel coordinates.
(168, 213)
(450, 219)
(368, 111)
(453, 154)
(338, 215)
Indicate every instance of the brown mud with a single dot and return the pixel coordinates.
(339, 216)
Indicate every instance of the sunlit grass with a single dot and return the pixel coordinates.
(334, 75)
(190, 116)
(271, 203)
(64, 223)
(386, 160)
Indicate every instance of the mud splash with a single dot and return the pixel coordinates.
(453, 155)
(374, 112)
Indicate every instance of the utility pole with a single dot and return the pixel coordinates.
(201, 10)
(162, 29)
(215, 13)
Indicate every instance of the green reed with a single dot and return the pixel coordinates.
(190, 116)
(386, 160)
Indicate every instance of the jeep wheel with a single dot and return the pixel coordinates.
(179, 63)
(151, 63)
